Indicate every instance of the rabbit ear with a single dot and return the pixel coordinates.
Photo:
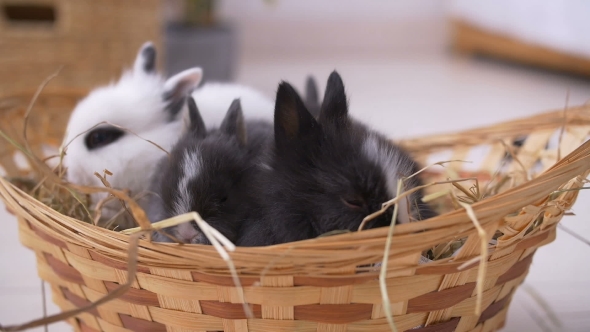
(233, 124)
(312, 97)
(197, 125)
(182, 83)
(145, 62)
(294, 125)
(178, 87)
(334, 109)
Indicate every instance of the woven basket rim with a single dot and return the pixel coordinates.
(442, 228)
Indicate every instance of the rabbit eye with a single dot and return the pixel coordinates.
(223, 199)
(353, 203)
(100, 137)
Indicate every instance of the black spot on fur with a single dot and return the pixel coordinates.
(149, 55)
(102, 136)
(174, 107)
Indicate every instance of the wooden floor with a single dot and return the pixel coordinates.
(472, 40)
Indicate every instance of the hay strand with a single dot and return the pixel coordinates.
(44, 303)
(399, 197)
(482, 269)
(562, 129)
(383, 272)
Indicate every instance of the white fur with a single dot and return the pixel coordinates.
(191, 167)
(392, 166)
(214, 99)
(135, 103)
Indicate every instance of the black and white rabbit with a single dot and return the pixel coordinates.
(328, 174)
(209, 171)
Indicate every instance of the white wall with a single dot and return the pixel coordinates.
(299, 28)
(331, 10)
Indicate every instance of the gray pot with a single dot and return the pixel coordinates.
(212, 47)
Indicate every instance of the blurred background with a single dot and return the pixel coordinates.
(410, 68)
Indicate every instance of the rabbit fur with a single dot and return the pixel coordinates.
(327, 174)
(142, 103)
(210, 172)
(312, 96)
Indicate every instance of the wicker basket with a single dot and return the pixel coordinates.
(92, 39)
(313, 285)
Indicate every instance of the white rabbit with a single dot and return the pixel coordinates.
(141, 103)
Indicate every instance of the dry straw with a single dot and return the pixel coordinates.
(332, 283)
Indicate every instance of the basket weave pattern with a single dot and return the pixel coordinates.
(91, 39)
(321, 284)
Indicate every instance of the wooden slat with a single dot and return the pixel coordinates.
(85, 328)
(223, 280)
(114, 263)
(515, 271)
(64, 271)
(135, 296)
(77, 301)
(532, 241)
(228, 310)
(449, 326)
(441, 299)
(494, 309)
(333, 313)
(332, 281)
(140, 325)
(46, 237)
(471, 39)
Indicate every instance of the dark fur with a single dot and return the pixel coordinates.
(317, 169)
(312, 96)
(220, 191)
(174, 106)
(149, 54)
